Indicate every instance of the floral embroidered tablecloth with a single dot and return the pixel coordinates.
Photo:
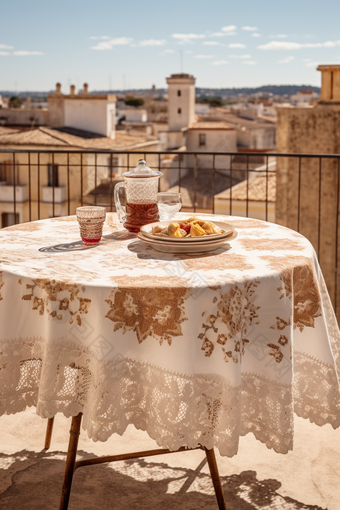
(194, 349)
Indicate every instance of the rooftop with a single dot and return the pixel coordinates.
(69, 137)
(236, 120)
(213, 125)
(257, 189)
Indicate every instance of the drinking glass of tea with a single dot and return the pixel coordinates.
(141, 187)
(91, 221)
(168, 205)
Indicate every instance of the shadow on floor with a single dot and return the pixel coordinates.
(31, 481)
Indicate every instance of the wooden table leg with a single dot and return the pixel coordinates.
(49, 430)
(215, 478)
(70, 461)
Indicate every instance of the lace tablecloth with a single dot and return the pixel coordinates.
(194, 349)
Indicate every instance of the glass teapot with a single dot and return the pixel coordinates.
(141, 208)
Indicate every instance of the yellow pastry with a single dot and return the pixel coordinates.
(211, 228)
(174, 230)
(197, 231)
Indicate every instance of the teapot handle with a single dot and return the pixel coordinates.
(121, 210)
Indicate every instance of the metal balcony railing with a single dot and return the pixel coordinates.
(300, 191)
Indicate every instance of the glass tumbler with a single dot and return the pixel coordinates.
(168, 205)
(91, 221)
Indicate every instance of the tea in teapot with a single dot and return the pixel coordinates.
(141, 208)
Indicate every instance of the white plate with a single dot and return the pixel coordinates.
(147, 231)
(199, 247)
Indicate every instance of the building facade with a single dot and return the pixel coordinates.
(310, 192)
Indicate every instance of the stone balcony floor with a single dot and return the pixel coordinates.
(257, 478)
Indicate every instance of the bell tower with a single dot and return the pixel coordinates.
(330, 83)
(181, 101)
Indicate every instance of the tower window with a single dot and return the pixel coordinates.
(179, 110)
(179, 93)
(201, 139)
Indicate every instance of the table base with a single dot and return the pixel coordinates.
(72, 464)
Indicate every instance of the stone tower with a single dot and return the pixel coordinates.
(312, 130)
(330, 83)
(181, 101)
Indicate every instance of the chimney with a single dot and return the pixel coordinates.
(330, 83)
(58, 89)
(73, 90)
(86, 89)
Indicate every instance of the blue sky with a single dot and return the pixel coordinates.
(137, 44)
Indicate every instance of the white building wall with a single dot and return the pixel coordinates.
(134, 115)
(93, 115)
(217, 140)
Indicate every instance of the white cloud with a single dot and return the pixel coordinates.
(26, 53)
(285, 45)
(279, 36)
(108, 45)
(219, 63)
(250, 62)
(286, 60)
(255, 34)
(250, 29)
(152, 42)
(4, 53)
(306, 60)
(6, 47)
(240, 56)
(188, 51)
(104, 37)
(212, 43)
(312, 64)
(169, 51)
(229, 28)
(102, 46)
(204, 56)
(221, 34)
(187, 38)
(236, 45)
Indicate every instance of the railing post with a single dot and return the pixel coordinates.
(266, 188)
(230, 187)
(111, 190)
(53, 185)
(29, 188)
(95, 178)
(247, 201)
(319, 210)
(336, 240)
(81, 180)
(299, 195)
(38, 185)
(68, 185)
(14, 190)
(213, 185)
(195, 177)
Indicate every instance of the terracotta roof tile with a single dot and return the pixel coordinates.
(211, 125)
(256, 189)
(61, 138)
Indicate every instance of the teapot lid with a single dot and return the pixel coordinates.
(142, 171)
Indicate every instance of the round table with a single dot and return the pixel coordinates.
(194, 349)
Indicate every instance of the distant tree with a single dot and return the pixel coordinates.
(216, 101)
(134, 101)
(15, 102)
(212, 101)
